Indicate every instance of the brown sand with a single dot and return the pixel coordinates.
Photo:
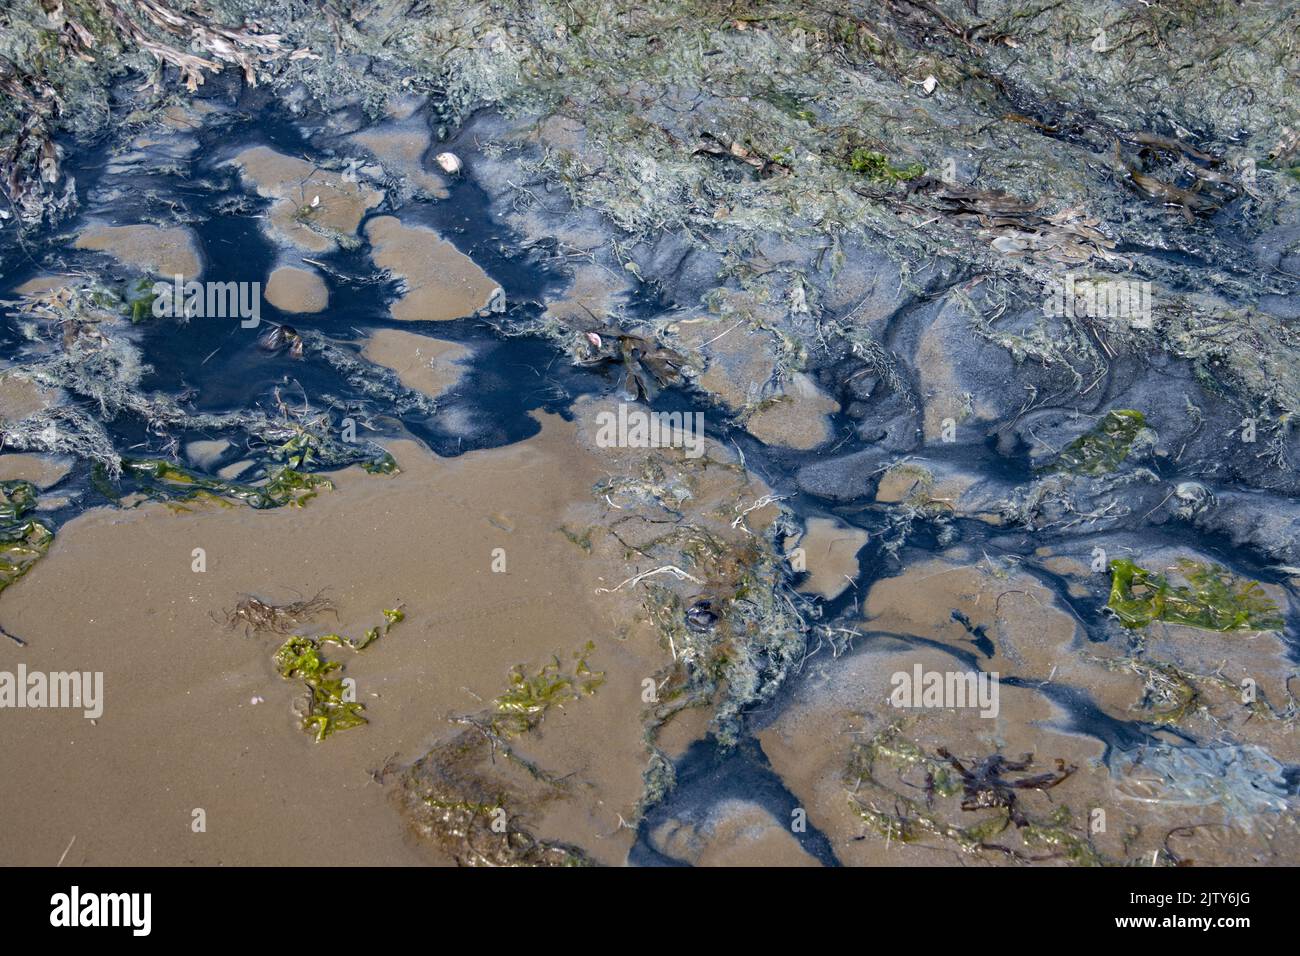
(164, 251)
(831, 552)
(295, 290)
(798, 419)
(41, 470)
(295, 185)
(421, 362)
(1036, 639)
(401, 149)
(179, 729)
(20, 397)
(736, 833)
(443, 283)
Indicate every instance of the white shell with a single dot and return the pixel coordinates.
(929, 85)
(449, 162)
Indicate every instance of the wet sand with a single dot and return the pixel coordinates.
(314, 208)
(298, 291)
(179, 729)
(158, 250)
(797, 419)
(1012, 625)
(41, 470)
(742, 363)
(830, 550)
(442, 282)
(401, 149)
(423, 363)
(21, 398)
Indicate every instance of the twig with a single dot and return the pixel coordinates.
(675, 571)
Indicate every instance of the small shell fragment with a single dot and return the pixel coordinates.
(449, 162)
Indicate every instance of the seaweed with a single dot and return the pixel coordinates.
(1213, 599)
(455, 797)
(285, 485)
(17, 498)
(23, 541)
(385, 464)
(1103, 448)
(877, 168)
(328, 709)
(983, 786)
(524, 705)
(139, 301)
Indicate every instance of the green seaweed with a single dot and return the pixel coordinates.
(1104, 448)
(300, 657)
(876, 167)
(1213, 599)
(1057, 832)
(17, 497)
(139, 301)
(386, 464)
(327, 710)
(791, 105)
(284, 486)
(524, 705)
(391, 617)
(23, 541)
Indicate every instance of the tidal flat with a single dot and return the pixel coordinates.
(975, 540)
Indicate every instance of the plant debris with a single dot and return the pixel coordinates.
(1104, 448)
(330, 705)
(1212, 599)
(256, 615)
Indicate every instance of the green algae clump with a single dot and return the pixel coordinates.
(328, 706)
(524, 705)
(1213, 599)
(328, 709)
(877, 168)
(1104, 448)
(284, 486)
(23, 542)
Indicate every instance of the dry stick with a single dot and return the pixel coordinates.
(13, 637)
(66, 849)
(669, 568)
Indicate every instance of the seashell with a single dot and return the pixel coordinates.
(701, 616)
(449, 162)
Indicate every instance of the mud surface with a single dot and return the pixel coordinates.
(726, 408)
